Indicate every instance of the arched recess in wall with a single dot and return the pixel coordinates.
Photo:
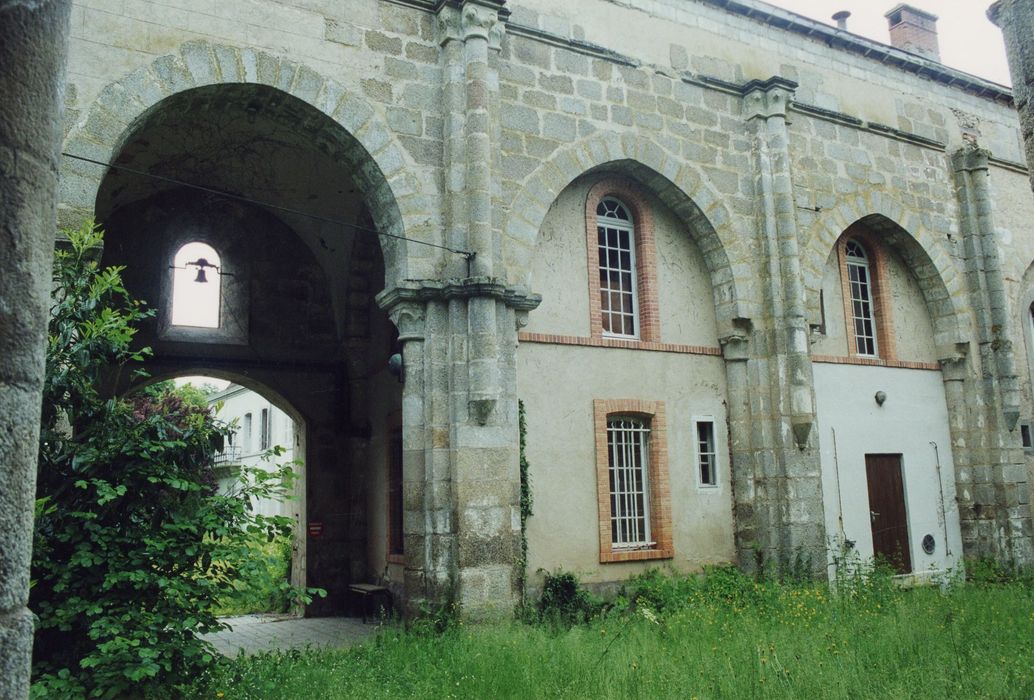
(679, 185)
(384, 172)
(903, 233)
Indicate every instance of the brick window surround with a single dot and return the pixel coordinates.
(633, 197)
(660, 488)
(879, 288)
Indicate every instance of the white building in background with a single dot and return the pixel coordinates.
(259, 427)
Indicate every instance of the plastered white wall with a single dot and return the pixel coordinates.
(852, 425)
(558, 385)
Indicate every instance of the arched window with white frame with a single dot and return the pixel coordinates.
(196, 286)
(860, 288)
(619, 304)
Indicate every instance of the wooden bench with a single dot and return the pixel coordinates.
(370, 594)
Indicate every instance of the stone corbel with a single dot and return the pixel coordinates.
(763, 99)
(1012, 416)
(801, 426)
(954, 361)
(735, 341)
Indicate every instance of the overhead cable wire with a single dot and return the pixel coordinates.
(469, 255)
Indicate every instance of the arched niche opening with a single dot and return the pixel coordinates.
(196, 286)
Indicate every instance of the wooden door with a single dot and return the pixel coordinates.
(887, 511)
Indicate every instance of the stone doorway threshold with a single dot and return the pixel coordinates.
(254, 634)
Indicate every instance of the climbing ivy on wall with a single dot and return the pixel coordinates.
(526, 498)
(134, 545)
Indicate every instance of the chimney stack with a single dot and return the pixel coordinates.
(914, 30)
(841, 19)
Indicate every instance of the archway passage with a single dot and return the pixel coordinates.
(270, 185)
(265, 434)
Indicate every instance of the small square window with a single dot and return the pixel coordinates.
(1026, 438)
(706, 452)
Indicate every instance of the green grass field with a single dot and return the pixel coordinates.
(723, 637)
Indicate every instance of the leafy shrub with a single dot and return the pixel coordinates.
(565, 601)
(134, 545)
(987, 570)
(659, 591)
(262, 582)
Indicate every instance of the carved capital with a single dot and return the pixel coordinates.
(408, 317)
(480, 21)
(450, 25)
(763, 99)
(422, 291)
(970, 158)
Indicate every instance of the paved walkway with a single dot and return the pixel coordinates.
(253, 634)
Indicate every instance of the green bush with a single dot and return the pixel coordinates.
(134, 545)
(262, 584)
(564, 601)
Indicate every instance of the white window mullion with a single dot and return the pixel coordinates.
(633, 500)
(863, 318)
(627, 440)
(619, 302)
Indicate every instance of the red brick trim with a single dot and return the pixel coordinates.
(549, 339)
(660, 487)
(874, 362)
(634, 198)
(879, 287)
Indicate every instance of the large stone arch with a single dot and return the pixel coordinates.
(680, 185)
(941, 282)
(385, 172)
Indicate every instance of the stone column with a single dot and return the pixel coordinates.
(33, 47)
(787, 513)
(478, 328)
(461, 481)
(1016, 20)
(995, 523)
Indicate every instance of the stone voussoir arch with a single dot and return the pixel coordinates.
(941, 282)
(394, 194)
(680, 185)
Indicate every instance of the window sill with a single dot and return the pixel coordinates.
(396, 558)
(620, 555)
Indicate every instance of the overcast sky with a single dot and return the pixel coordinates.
(967, 38)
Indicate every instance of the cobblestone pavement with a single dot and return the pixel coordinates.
(257, 633)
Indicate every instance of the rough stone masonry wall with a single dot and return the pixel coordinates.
(33, 41)
(656, 87)
(371, 66)
(583, 85)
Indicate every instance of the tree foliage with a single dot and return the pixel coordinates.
(134, 544)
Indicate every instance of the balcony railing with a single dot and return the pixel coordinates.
(229, 455)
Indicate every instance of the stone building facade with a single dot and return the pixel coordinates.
(431, 179)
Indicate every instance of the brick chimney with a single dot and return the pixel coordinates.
(914, 30)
